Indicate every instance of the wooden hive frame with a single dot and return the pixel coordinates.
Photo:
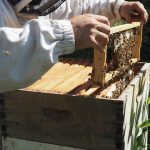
(100, 75)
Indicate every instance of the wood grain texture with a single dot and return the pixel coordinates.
(64, 77)
(73, 77)
(124, 27)
(64, 120)
(138, 42)
(99, 67)
(53, 74)
(74, 81)
(135, 105)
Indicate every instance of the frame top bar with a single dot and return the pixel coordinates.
(124, 27)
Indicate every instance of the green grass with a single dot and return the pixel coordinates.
(144, 126)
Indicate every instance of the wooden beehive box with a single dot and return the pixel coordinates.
(66, 108)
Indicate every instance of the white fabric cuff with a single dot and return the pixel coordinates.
(118, 3)
(68, 42)
(65, 43)
(63, 32)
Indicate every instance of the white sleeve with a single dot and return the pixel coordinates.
(27, 53)
(108, 8)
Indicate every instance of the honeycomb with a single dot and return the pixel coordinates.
(121, 46)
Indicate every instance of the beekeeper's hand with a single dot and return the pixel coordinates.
(91, 31)
(127, 9)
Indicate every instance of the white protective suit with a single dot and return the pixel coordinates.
(28, 52)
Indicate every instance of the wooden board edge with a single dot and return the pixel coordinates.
(124, 27)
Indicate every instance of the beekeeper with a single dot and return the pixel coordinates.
(28, 51)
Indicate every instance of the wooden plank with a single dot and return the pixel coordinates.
(52, 75)
(94, 88)
(83, 87)
(90, 91)
(54, 116)
(74, 81)
(129, 119)
(58, 67)
(138, 42)
(63, 77)
(124, 27)
(107, 92)
(99, 66)
(20, 5)
(135, 106)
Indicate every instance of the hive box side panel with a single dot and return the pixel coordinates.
(135, 107)
(82, 122)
